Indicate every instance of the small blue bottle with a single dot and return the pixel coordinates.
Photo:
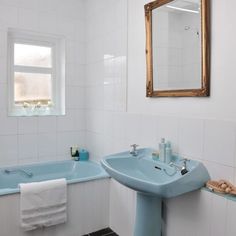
(83, 155)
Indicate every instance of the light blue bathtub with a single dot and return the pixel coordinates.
(73, 171)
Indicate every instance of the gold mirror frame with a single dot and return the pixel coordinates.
(204, 91)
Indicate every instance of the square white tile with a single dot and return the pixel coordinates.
(8, 150)
(219, 171)
(191, 137)
(27, 125)
(220, 142)
(8, 124)
(47, 145)
(28, 147)
(218, 218)
(47, 124)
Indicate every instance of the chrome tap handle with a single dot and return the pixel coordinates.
(134, 151)
(134, 146)
(185, 160)
(172, 164)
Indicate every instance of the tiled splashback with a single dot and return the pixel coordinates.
(210, 141)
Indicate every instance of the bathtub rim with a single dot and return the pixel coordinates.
(102, 175)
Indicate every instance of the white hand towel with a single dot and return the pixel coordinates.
(43, 204)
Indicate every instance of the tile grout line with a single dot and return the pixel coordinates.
(108, 234)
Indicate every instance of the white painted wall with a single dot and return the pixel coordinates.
(35, 139)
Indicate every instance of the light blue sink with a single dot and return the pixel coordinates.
(153, 180)
(143, 174)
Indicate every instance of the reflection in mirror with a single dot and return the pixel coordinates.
(177, 45)
(177, 54)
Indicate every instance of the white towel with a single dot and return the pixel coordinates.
(43, 204)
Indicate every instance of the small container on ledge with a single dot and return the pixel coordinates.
(83, 155)
(74, 152)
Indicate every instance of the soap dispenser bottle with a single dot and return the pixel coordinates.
(168, 152)
(162, 150)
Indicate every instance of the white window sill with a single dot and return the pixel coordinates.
(44, 111)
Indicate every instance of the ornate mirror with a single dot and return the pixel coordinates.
(177, 48)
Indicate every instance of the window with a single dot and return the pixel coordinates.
(36, 74)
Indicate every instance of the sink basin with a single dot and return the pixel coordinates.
(143, 174)
(153, 180)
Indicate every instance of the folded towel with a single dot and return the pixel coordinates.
(43, 204)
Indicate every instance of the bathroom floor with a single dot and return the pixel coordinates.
(103, 232)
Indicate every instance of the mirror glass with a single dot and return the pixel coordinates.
(178, 48)
(176, 37)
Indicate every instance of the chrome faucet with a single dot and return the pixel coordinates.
(183, 169)
(134, 151)
(28, 174)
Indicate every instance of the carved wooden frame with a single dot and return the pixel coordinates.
(204, 91)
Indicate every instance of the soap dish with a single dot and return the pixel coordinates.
(221, 186)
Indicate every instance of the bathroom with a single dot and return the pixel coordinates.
(105, 109)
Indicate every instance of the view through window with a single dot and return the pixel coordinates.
(32, 74)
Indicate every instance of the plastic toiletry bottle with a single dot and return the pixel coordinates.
(83, 155)
(162, 150)
(168, 152)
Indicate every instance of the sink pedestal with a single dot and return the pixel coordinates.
(148, 215)
(147, 176)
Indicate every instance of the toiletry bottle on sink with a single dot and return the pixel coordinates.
(162, 150)
(168, 152)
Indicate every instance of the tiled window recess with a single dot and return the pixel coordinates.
(103, 232)
(36, 81)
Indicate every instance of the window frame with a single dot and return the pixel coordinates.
(57, 72)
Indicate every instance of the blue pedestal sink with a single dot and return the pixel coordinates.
(153, 180)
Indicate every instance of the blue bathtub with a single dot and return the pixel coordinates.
(73, 171)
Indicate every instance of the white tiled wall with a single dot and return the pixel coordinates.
(33, 139)
(199, 128)
(106, 62)
(108, 111)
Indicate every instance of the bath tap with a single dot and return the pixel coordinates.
(28, 174)
(134, 151)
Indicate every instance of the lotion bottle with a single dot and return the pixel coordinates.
(168, 152)
(162, 150)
